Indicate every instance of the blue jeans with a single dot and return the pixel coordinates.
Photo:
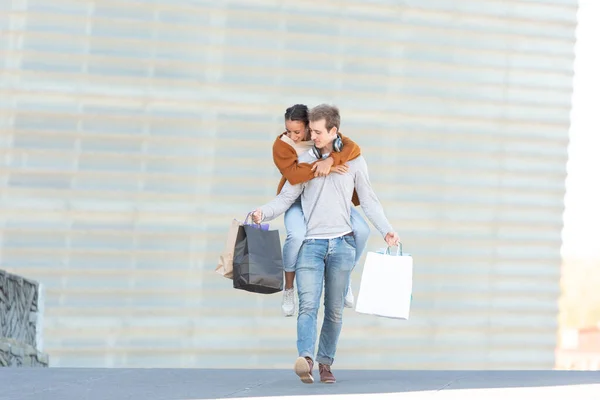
(296, 232)
(331, 261)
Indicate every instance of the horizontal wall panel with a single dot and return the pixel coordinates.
(131, 133)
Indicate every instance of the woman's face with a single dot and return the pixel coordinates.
(296, 130)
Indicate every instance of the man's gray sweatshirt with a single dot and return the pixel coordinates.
(327, 201)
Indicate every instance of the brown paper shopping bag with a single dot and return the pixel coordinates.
(225, 266)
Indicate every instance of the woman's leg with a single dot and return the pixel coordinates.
(289, 279)
(361, 236)
(296, 232)
(361, 232)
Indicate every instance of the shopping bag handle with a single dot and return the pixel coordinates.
(398, 251)
(246, 220)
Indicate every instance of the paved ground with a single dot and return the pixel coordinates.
(170, 384)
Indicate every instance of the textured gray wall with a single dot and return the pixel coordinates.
(132, 132)
(20, 322)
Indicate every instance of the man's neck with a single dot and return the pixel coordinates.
(327, 149)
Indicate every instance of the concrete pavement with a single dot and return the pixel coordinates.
(170, 384)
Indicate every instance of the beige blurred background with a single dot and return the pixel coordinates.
(131, 133)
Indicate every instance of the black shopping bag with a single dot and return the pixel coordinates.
(257, 260)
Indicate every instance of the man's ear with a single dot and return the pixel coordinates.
(334, 130)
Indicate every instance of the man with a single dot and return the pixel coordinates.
(327, 255)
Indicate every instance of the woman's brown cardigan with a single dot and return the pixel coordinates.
(286, 160)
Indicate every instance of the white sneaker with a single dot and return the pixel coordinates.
(349, 299)
(288, 305)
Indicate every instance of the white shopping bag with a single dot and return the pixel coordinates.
(386, 285)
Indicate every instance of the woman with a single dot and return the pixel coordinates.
(288, 145)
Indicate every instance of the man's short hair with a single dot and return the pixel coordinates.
(329, 113)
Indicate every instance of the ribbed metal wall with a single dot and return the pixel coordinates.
(131, 132)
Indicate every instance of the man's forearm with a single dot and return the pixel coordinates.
(369, 201)
(281, 203)
(274, 209)
(374, 212)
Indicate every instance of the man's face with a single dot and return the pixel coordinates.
(319, 134)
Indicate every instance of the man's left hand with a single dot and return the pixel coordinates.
(323, 167)
(257, 216)
(392, 239)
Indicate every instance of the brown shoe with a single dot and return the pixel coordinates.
(326, 375)
(303, 368)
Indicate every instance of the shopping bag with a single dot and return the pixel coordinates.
(257, 260)
(386, 285)
(225, 264)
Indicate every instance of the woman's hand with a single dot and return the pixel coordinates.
(340, 169)
(323, 167)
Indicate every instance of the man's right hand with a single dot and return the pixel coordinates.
(257, 216)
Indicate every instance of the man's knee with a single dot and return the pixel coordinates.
(334, 313)
(308, 306)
